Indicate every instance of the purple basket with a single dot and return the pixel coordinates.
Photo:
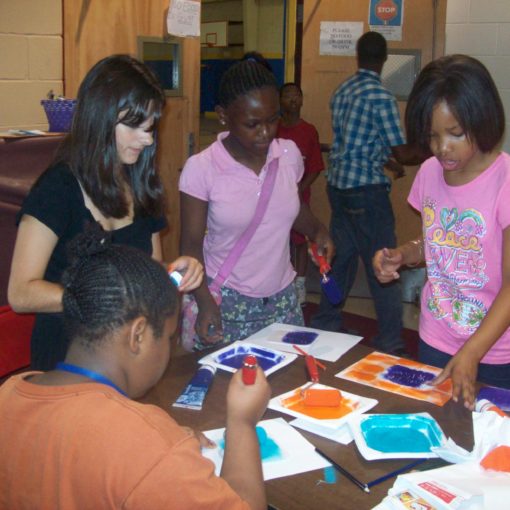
(59, 113)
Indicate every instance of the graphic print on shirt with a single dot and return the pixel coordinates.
(455, 265)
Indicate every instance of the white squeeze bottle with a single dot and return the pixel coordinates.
(486, 405)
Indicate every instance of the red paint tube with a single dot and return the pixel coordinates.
(249, 369)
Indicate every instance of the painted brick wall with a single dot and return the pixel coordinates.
(482, 29)
(30, 60)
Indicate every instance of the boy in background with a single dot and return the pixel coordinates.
(305, 136)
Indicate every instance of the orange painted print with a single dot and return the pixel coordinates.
(399, 375)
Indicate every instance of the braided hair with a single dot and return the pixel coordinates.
(242, 78)
(108, 285)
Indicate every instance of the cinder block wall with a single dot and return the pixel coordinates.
(31, 60)
(481, 28)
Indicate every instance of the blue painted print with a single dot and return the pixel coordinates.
(269, 450)
(300, 337)
(406, 376)
(234, 357)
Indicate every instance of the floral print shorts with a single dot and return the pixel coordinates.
(242, 316)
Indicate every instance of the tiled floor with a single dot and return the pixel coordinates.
(209, 128)
(365, 307)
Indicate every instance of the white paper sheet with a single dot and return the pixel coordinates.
(327, 346)
(340, 435)
(183, 18)
(489, 430)
(481, 490)
(297, 454)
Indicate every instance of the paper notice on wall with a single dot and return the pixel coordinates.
(339, 38)
(183, 18)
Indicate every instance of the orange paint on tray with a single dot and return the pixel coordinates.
(323, 412)
(322, 397)
(296, 397)
(297, 403)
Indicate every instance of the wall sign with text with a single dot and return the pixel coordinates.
(385, 17)
(339, 37)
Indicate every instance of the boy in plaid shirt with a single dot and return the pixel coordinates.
(367, 133)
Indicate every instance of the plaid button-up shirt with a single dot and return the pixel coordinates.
(366, 124)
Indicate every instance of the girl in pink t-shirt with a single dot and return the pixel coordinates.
(455, 112)
(219, 189)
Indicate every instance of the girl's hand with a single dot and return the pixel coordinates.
(386, 263)
(247, 403)
(208, 325)
(192, 271)
(325, 245)
(463, 369)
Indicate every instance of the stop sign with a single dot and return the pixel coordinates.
(386, 10)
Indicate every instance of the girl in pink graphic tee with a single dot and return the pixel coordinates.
(462, 192)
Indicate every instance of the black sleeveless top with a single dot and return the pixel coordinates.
(56, 201)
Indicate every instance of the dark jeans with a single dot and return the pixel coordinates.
(362, 222)
(495, 375)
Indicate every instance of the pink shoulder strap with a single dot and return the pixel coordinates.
(242, 242)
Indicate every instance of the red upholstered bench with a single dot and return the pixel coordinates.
(15, 332)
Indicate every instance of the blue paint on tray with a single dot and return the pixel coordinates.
(500, 397)
(234, 357)
(300, 337)
(401, 433)
(269, 449)
(406, 376)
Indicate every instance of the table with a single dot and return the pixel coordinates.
(301, 492)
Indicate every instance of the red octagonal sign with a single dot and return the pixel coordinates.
(386, 10)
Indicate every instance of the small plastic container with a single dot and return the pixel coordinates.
(175, 277)
(59, 113)
(486, 405)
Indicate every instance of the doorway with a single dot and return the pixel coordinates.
(229, 29)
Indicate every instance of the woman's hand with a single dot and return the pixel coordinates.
(386, 263)
(192, 271)
(463, 369)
